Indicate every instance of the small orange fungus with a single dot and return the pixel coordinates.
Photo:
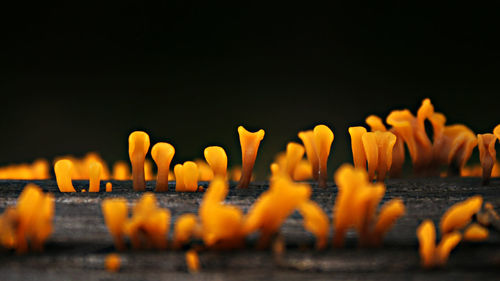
(249, 146)
(375, 123)
(63, 169)
(460, 214)
(487, 154)
(217, 159)
(192, 261)
(307, 138)
(303, 171)
(315, 221)
(95, 169)
(358, 151)
(271, 209)
(121, 171)
(29, 223)
(148, 170)
(112, 262)
(186, 177)
(221, 223)
(205, 172)
(356, 204)
(496, 131)
(453, 146)
(475, 232)
(323, 139)
(186, 227)
(431, 255)
(149, 225)
(294, 153)
(38, 170)
(162, 154)
(115, 213)
(109, 187)
(378, 148)
(138, 145)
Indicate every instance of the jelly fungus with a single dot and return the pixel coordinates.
(358, 151)
(63, 169)
(273, 206)
(217, 159)
(496, 131)
(192, 261)
(315, 221)
(109, 187)
(221, 223)
(138, 145)
(432, 256)
(115, 213)
(303, 171)
(205, 173)
(235, 173)
(378, 148)
(95, 169)
(186, 177)
(148, 170)
(355, 207)
(323, 139)
(38, 170)
(249, 146)
(29, 223)
(307, 138)
(453, 146)
(475, 233)
(487, 154)
(149, 225)
(186, 227)
(412, 129)
(112, 262)
(162, 154)
(294, 153)
(460, 214)
(121, 171)
(375, 123)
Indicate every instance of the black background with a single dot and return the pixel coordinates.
(79, 77)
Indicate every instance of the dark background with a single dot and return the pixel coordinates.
(80, 77)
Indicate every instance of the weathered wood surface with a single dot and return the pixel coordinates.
(80, 241)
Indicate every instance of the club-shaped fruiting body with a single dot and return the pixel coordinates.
(496, 131)
(323, 139)
(63, 169)
(29, 223)
(95, 169)
(460, 214)
(249, 146)
(358, 151)
(378, 147)
(221, 223)
(109, 187)
(115, 212)
(138, 146)
(273, 206)
(217, 159)
(316, 221)
(186, 177)
(476, 233)
(430, 254)
(121, 171)
(186, 227)
(307, 138)
(453, 146)
(294, 153)
(487, 154)
(192, 261)
(112, 262)
(356, 204)
(162, 154)
(38, 170)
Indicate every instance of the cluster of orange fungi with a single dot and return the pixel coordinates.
(223, 226)
(455, 219)
(28, 224)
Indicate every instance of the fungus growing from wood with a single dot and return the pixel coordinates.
(186, 227)
(162, 154)
(355, 206)
(432, 256)
(112, 262)
(121, 171)
(192, 261)
(138, 146)
(475, 233)
(95, 169)
(378, 148)
(294, 153)
(487, 154)
(63, 169)
(496, 131)
(29, 223)
(460, 214)
(186, 177)
(109, 187)
(315, 221)
(358, 150)
(307, 138)
(115, 212)
(303, 171)
(273, 206)
(249, 146)
(323, 139)
(217, 159)
(453, 146)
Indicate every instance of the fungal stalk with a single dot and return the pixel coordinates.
(95, 169)
(249, 146)
(217, 159)
(162, 154)
(487, 154)
(138, 146)
(378, 147)
(186, 177)
(63, 170)
(323, 139)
